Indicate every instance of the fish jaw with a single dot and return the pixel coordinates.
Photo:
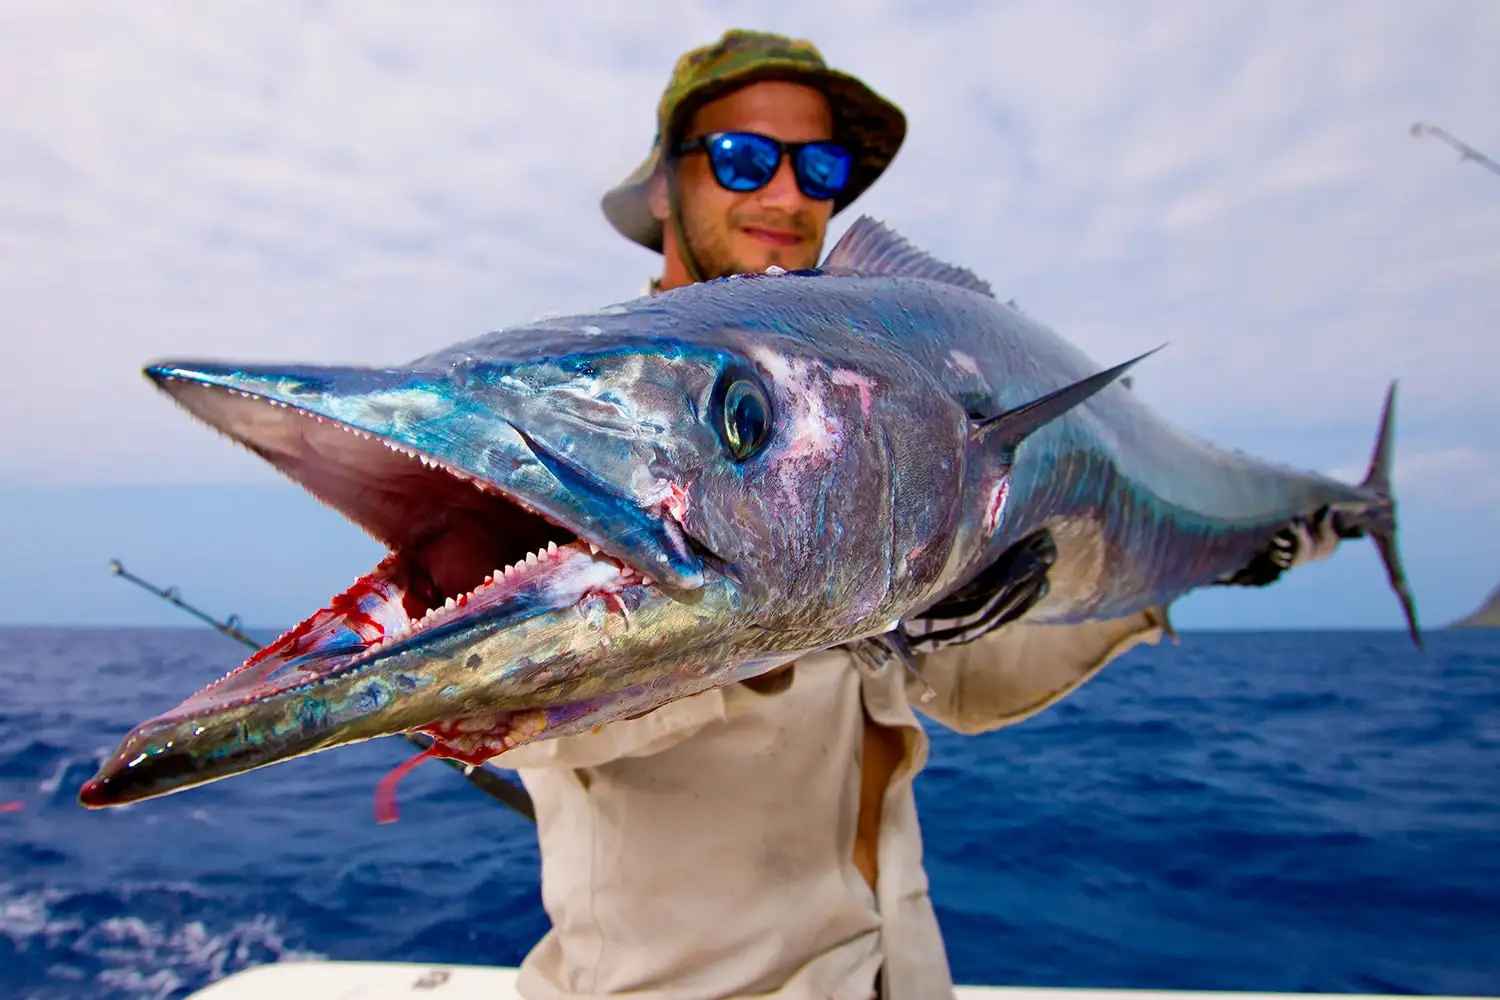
(472, 552)
(470, 427)
(522, 502)
(556, 647)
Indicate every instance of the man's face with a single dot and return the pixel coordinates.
(732, 232)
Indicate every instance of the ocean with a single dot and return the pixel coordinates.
(1289, 811)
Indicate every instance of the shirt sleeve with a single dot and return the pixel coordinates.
(1019, 669)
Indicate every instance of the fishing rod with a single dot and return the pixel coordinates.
(480, 777)
(1465, 151)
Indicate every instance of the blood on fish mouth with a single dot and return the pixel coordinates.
(459, 546)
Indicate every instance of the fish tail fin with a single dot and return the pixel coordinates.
(1379, 480)
(1378, 477)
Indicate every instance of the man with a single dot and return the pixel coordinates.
(770, 87)
(762, 839)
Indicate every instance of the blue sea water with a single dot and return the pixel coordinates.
(1289, 811)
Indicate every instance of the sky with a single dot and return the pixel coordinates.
(365, 182)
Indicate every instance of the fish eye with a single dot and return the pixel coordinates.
(744, 415)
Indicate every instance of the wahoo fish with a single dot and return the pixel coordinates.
(591, 516)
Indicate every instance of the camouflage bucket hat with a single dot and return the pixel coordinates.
(873, 127)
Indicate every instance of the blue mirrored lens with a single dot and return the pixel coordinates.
(823, 169)
(744, 162)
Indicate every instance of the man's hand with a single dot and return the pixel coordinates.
(1001, 593)
(1305, 540)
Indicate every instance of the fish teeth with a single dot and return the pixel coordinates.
(551, 548)
(593, 549)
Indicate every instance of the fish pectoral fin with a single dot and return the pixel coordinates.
(1001, 593)
(1010, 428)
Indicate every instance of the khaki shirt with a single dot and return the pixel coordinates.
(705, 850)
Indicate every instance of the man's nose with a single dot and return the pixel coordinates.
(782, 191)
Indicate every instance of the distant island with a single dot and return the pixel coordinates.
(1488, 615)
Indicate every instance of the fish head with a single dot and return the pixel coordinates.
(807, 478)
(585, 518)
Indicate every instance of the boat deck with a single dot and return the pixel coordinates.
(322, 980)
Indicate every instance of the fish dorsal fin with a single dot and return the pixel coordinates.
(874, 249)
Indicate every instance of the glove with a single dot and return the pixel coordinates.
(1002, 592)
(1305, 540)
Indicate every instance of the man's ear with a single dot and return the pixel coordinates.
(656, 194)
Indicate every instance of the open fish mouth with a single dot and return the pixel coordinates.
(468, 550)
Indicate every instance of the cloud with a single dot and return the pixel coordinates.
(366, 181)
(1447, 479)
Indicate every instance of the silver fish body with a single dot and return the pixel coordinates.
(591, 516)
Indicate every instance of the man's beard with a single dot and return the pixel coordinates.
(710, 245)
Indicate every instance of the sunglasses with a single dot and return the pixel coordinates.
(746, 161)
